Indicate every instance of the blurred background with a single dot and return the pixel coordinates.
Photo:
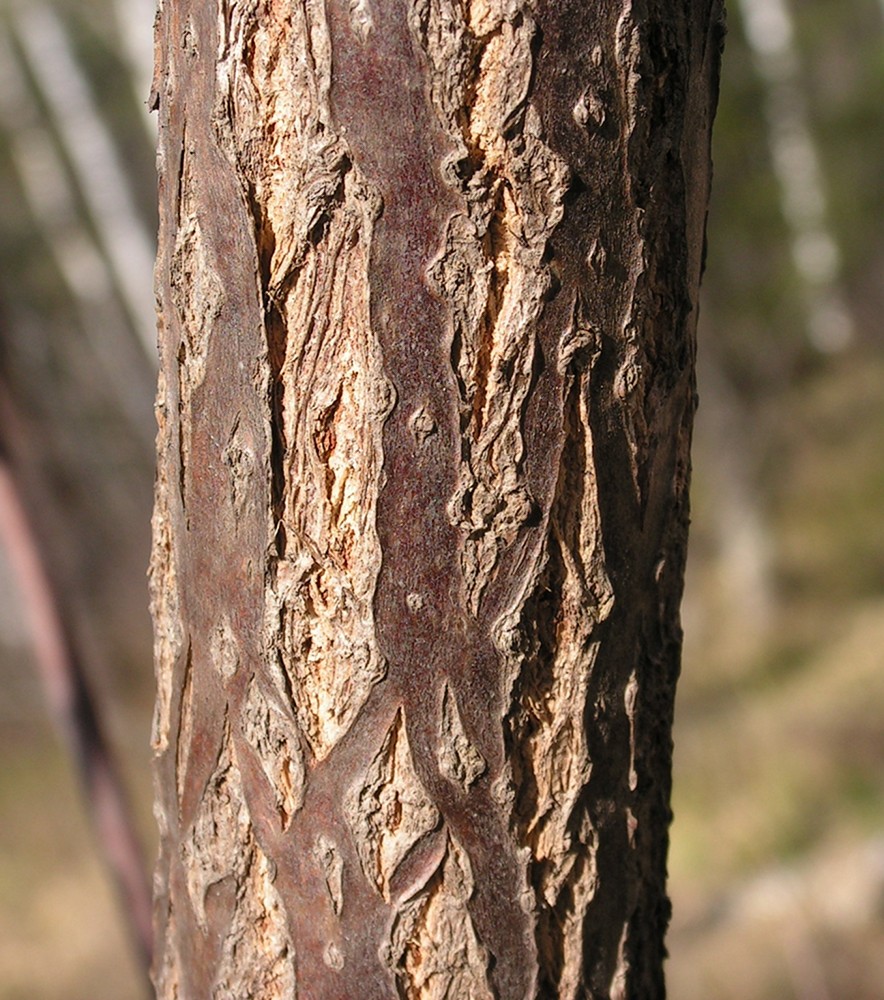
(777, 857)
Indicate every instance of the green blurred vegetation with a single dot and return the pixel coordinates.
(777, 857)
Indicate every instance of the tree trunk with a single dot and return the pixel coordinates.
(428, 272)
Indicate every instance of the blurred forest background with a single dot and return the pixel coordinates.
(777, 858)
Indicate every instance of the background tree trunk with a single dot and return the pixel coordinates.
(428, 273)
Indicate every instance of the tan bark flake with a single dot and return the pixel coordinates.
(332, 864)
(333, 422)
(361, 20)
(434, 949)
(257, 956)
(198, 297)
(211, 851)
(459, 759)
(197, 292)
(273, 736)
(389, 810)
(165, 602)
(224, 649)
(422, 425)
(167, 976)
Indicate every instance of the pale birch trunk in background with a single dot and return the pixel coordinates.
(429, 277)
(770, 32)
(133, 22)
(51, 198)
(89, 145)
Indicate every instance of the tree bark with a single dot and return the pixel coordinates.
(428, 276)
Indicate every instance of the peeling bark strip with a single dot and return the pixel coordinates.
(492, 270)
(313, 215)
(549, 644)
(427, 277)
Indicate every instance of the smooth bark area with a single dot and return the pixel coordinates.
(428, 276)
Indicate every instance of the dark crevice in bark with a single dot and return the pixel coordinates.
(180, 187)
(182, 429)
(276, 333)
(184, 715)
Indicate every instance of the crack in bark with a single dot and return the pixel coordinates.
(273, 735)
(330, 861)
(185, 726)
(459, 759)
